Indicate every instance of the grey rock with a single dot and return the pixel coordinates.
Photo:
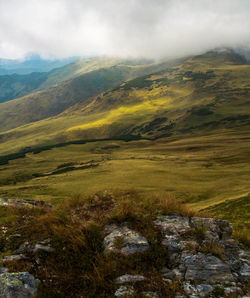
(131, 241)
(16, 285)
(232, 290)
(245, 270)
(27, 248)
(173, 224)
(173, 227)
(13, 258)
(43, 246)
(204, 290)
(124, 291)
(190, 289)
(3, 270)
(205, 268)
(128, 278)
(216, 229)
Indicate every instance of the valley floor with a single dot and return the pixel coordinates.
(208, 172)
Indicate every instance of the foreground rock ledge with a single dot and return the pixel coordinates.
(203, 256)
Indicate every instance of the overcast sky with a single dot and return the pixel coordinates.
(148, 28)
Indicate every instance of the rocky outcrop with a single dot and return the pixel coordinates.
(123, 240)
(203, 257)
(24, 203)
(16, 285)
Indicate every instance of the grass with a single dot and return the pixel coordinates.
(78, 267)
(207, 172)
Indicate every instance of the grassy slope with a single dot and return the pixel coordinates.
(54, 100)
(202, 171)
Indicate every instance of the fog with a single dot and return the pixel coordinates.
(134, 28)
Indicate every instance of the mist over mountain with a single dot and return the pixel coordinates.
(155, 29)
(32, 63)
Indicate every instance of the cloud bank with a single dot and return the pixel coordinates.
(140, 28)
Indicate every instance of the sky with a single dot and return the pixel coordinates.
(127, 28)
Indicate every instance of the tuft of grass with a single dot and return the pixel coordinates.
(214, 248)
(242, 234)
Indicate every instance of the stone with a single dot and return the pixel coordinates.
(232, 290)
(124, 291)
(245, 270)
(190, 289)
(173, 227)
(43, 246)
(130, 241)
(127, 278)
(206, 268)
(172, 224)
(13, 258)
(16, 285)
(3, 270)
(204, 290)
(27, 248)
(214, 228)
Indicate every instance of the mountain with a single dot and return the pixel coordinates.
(203, 93)
(31, 63)
(89, 79)
(16, 85)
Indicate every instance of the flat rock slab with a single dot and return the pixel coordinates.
(205, 268)
(123, 240)
(173, 224)
(16, 285)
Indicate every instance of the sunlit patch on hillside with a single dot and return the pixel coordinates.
(124, 112)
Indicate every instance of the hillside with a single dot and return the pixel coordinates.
(202, 94)
(31, 63)
(90, 78)
(18, 85)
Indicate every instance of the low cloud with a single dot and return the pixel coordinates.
(139, 28)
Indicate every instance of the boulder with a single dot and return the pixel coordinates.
(206, 268)
(16, 285)
(124, 240)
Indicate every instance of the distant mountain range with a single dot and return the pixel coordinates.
(32, 63)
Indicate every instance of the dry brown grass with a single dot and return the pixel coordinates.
(242, 234)
(78, 266)
(214, 248)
